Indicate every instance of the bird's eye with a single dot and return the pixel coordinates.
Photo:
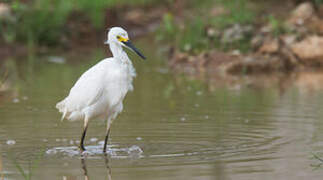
(118, 37)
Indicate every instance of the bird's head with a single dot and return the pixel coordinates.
(119, 36)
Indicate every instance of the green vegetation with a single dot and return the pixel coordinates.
(278, 27)
(40, 22)
(238, 12)
(47, 22)
(317, 2)
(43, 21)
(193, 36)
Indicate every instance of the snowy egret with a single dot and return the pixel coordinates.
(99, 92)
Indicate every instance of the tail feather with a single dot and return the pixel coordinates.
(62, 109)
(64, 115)
(67, 113)
(60, 105)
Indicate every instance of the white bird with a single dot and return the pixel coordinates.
(99, 92)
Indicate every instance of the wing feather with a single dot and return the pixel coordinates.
(99, 89)
(87, 90)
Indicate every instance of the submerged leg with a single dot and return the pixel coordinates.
(83, 134)
(108, 166)
(106, 137)
(83, 162)
(106, 141)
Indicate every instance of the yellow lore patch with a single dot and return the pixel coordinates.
(122, 39)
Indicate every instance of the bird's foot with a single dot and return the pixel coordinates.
(82, 149)
(104, 150)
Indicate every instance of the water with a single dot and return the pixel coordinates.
(172, 127)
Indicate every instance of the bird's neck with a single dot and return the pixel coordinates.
(118, 53)
(121, 56)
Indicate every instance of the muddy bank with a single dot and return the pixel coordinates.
(288, 43)
(293, 44)
(304, 82)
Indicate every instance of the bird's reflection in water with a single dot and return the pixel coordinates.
(85, 171)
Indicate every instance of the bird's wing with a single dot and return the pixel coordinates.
(88, 88)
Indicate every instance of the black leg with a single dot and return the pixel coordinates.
(82, 139)
(106, 141)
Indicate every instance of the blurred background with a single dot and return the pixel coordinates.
(232, 89)
(240, 37)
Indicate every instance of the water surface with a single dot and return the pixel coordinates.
(172, 127)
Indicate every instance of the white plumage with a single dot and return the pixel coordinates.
(99, 92)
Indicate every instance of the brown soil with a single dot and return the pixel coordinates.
(297, 51)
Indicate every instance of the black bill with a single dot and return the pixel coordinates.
(133, 48)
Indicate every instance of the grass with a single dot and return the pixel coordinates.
(44, 21)
(318, 2)
(192, 37)
(278, 26)
(238, 13)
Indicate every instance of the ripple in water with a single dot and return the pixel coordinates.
(115, 151)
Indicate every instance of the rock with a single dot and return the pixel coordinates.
(4, 86)
(309, 49)
(316, 25)
(235, 33)
(305, 18)
(180, 57)
(236, 52)
(4, 10)
(302, 13)
(210, 62)
(266, 29)
(256, 65)
(211, 32)
(257, 41)
(249, 59)
(270, 46)
(288, 39)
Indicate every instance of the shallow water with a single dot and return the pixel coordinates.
(171, 128)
